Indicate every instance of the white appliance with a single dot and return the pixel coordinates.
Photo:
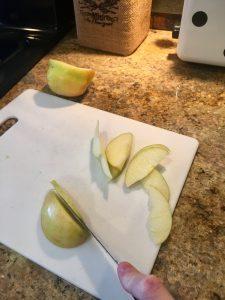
(201, 37)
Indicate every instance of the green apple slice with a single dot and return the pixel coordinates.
(67, 80)
(98, 150)
(118, 150)
(96, 143)
(156, 180)
(160, 217)
(144, 162)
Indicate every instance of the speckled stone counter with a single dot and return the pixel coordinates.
(155, 87)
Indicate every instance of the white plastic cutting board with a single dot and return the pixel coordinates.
(51, 140)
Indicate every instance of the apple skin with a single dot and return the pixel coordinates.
(58, 226)
(67, 80)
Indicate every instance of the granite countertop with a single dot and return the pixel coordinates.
(155, 87)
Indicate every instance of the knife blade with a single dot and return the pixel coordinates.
(76, 218)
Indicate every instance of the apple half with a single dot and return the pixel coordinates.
(156, 180)
(143, 163)
(56, 222)
(160, 217)
(67, 80)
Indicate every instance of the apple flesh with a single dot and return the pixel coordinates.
(58, 226)
(155, 179)
(118, 150)
(98, 151)
(67, 80)
(65, 195)
(144, 162)
(160, 217)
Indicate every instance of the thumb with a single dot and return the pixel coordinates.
(142, 287)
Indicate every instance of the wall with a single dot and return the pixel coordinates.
(168, 6)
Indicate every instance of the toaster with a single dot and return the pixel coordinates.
(202, 32)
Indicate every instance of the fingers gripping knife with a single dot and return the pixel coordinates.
(201, 36)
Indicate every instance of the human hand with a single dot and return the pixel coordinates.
(140, 286)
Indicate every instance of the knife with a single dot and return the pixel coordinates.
(78, 219)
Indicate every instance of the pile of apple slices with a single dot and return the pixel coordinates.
(141, 169)
(113, 159)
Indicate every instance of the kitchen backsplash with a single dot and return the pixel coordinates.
(168, 6)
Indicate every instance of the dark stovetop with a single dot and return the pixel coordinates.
(28, 30)
(20, 51)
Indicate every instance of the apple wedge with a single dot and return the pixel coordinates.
(99, 152)
(156, 180)
(67, 80)
(160, 217)
(118, 150)
(144, 162)
(58, 226)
